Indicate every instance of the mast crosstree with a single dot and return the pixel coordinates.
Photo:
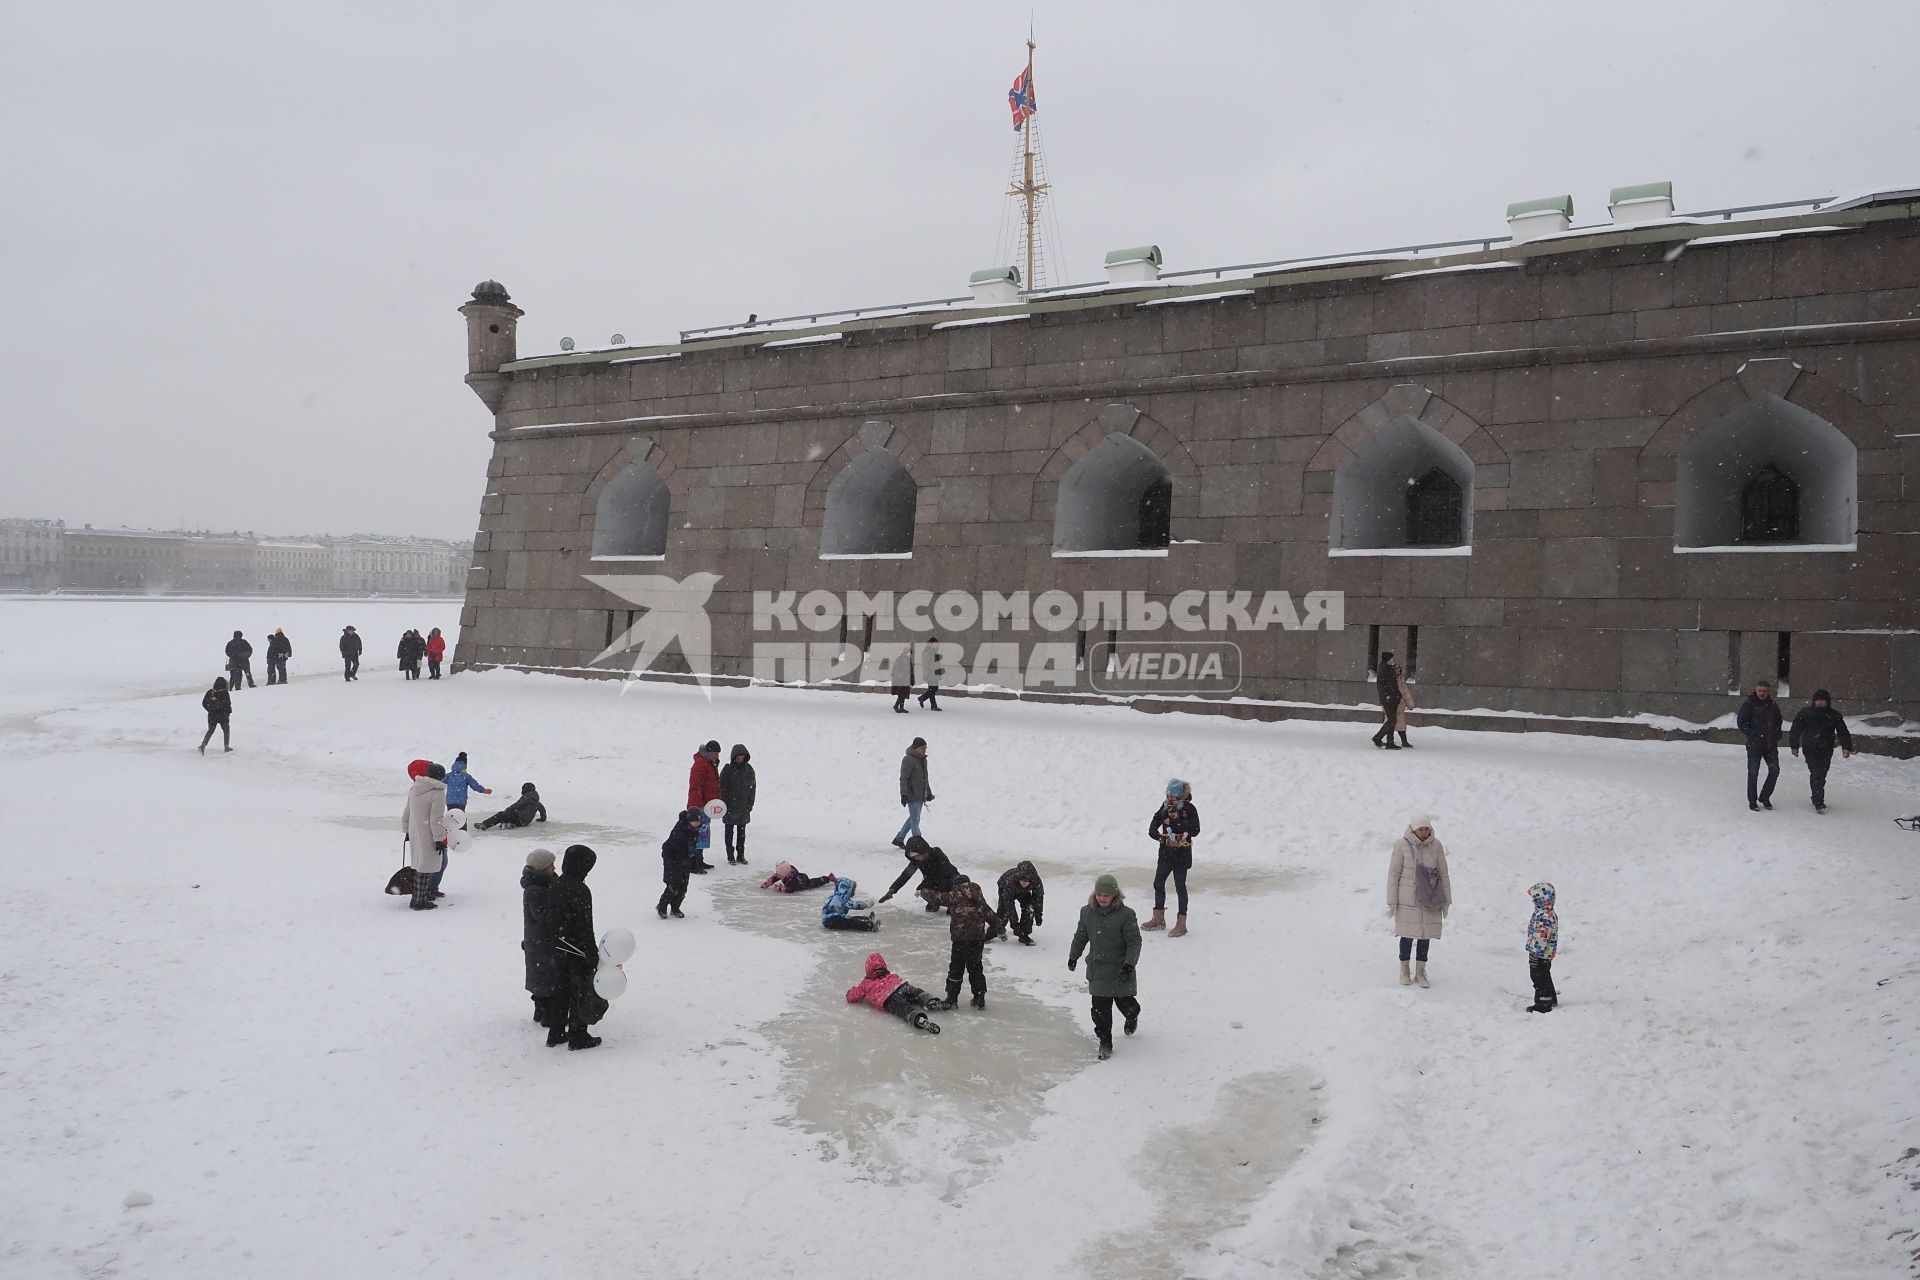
(1028, 188)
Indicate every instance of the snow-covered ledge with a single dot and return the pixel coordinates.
(1113, 553)
(866, 555)
(1400, 551)
(1767, 548)
(625, 559)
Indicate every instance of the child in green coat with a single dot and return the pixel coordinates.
(1109, 933)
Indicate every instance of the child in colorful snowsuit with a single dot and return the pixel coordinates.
(787, 878)
(1543, 941)
(891, 993)
(837, 911)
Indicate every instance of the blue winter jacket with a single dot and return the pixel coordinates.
(458, 780)
(841, 901)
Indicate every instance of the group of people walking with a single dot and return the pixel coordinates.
(217, 702)
(414, 647)
(1816, 731)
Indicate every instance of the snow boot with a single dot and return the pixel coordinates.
(1132, 1023)
(556, 1035)
(1404, 742)
(678, 914)
(1406, 975)
(1542, 1005)
(1159, 920)
(1390, 744)
(1026, 939)
(1420, 973)
(1106, 1051)
(922, 1022)
(1379, 738)
(952, 1001)
(1767, 805)
(583, 1042)
(662, 909)
(1179, 929)
(979, 999)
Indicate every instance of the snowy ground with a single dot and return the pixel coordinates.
(204, 996)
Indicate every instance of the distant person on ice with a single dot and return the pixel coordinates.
(1543, 940)
(930, 696)
(1817, 728)
(218, 704)
(576, 951)
(1419, 893)
(1109, 933)
(838, 911)
(435, 647)
(1388, 679)
(1174, 825)
(902, 679)
(536, 937)
(410, 650)
(677, 857)
(931, 864)
(521, 812)
(737, 785)
(1759, 722)
(915, 791)
(239, 661)
(1021, 898)
(279, 649)
(891, 993)
(703, 787)
(350, 647)
(787, 878)
(971, 925)
(424, 821)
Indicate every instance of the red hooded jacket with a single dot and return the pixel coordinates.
(703, 781)
(877, 985)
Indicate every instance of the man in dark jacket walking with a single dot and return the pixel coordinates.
(936, 871)
(576, 953)
(279, 649)
(1021, 898)
(350, 647)
(1387, 680)
(737, 786)
(915, 790)
(1759, 721)
(536, 936)
(239, 662)
(1816, 729)
(677, 858)
(971, 924)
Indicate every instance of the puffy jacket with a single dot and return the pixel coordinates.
(425, 822)
(1543, 927)
(971, 917)
(278, 646)
(703, 781)
(1174, 824)
(217, 702)
(1760, 722)
(569, 917)
(1111, 938)
(1387, 681)
(737, 784)
(936, 871)
(877, 985)
(523, 811)
(436, 646)
(536, 936)
(1817, 728)
(1410, 854)
(677, 854)
(350, 644)
(239, 652)
(841, 900)
(1010, 891)
(459, 782)
(913, 779)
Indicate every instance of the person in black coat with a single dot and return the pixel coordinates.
(536, 937)
(576, 953)
(1759, 722)
(350, 647)
(1022, 898)
(279, 649)
(936, 871)
(239, 661)
(521, 812)
(218, 706)
(1387, 680)
(412, 647)
(1817, 728)
(677, 856)
(737, 785)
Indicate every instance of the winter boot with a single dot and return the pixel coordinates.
(898, 843)
(1406, 975)
(662, 909)
(1379, 739)
(1390, 744)
(1541, 1004)
(979, 999)
(1106, 1051)
(922, 1022)
(1179, 929)
(952, 1001)
(1132, 1023)
(557, 1035)
(1159, 920)
(1026, 939)
(1403, 740)
(1420, 973)
(678, 914)
(583, 1042)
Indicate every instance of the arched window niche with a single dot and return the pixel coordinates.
(1407, 491)
(630, 520)
(870, 510)
(1115, 501)
(1770, 476)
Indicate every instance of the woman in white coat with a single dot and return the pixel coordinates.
(1419, 892)
(425, 822)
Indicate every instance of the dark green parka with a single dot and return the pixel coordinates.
(1111, 938)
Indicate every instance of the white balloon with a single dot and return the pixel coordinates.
(716, 808)
(609, 981)
(617, 946)
(457, 838)
(457, 818)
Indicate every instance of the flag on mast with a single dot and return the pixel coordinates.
(1021, 99)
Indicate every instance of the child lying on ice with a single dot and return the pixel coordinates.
(786, 878)
(837, 911)
(891, 993)
(521, 812)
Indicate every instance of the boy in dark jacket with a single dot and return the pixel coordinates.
(1021, 899)
(971, 924)
(536, 938)
(521, 812)
(350, 647)
(1816, 729)
(576, 953)
(935, 871)
(677, 856)
(736, 792)
(279, 649)
(1759, 722)
(218, 705)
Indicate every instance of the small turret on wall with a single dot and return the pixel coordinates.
(491, 318)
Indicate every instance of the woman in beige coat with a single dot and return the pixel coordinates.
(425, 822)
(1419, 892)
(1406, 705)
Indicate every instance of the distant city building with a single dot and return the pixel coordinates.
(30, 555)
(295, 568)
(122, 560)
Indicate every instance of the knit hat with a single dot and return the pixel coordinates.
(1418, 821)
(438, 772)
(917, 742)
(1107, 885)
(693, 815)
(540, 860)
(713, 745)
(460, 760)
(416, 768)
(1175, 787)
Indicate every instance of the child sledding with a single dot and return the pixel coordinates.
(891, 993)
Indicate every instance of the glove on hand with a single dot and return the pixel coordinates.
(1072, 965)
(1126, 973)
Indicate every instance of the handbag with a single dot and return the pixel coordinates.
(1429, 890)
(402, 881)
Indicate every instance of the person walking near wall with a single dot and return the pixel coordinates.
(930, 697)
(915, 791)
(902, 678)
(279, 649)
(1817, 729)
(218, 705)
(1387, 680)
(1419, 894)
(435, 647)
(1759, 721)
(1174, 824)
(239, 662)
(350, 647)
(737, 788)
(1109, 933)
(1404, 705)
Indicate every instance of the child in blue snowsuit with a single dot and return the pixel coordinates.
(1543, 940)
(459, 782)
(837, 911)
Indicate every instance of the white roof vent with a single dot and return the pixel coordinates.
(1531, 219)
(995, 286)
(1132, 266)
(1647, 202)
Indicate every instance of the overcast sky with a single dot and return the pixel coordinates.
(234, 235)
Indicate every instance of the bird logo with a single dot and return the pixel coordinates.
(675, 612)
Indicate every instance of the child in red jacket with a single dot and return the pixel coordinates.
(891, 993)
